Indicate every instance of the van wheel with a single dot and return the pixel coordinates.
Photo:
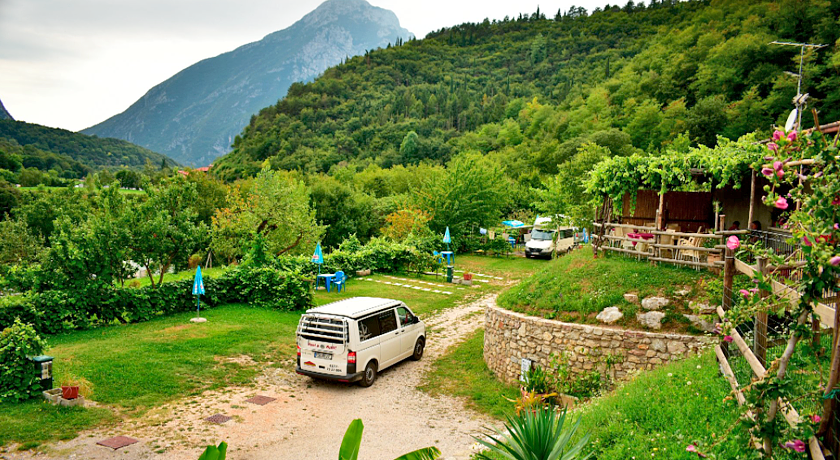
(369, 376)
(418, 349)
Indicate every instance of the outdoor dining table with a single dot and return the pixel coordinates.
(327, 277)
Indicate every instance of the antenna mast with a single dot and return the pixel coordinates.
(800, 100)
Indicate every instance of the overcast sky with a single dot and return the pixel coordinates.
(74, 63)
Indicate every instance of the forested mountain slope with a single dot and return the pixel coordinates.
(91, 151)
(194, 115)
(639, 74)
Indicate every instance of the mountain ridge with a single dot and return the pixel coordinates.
(195, 115)
(4, 114)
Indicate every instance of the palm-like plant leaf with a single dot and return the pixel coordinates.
(427, 453)
(215, 453)
(536, 435)
(352, 440)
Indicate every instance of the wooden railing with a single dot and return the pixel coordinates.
(665, 246)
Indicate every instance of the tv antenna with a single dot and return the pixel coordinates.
(801, 100)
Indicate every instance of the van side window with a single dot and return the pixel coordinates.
(387, 321)
(369, 328)
(405, 316)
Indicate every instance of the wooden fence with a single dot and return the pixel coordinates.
(679, 248)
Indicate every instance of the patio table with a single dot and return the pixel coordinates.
(327, 277)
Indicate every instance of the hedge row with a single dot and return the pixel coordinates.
(56, 311)
(378, 255)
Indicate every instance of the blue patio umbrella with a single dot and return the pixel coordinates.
(585, 236)
(446, 238)
(318, 257)
(198, 289)
(513, 223)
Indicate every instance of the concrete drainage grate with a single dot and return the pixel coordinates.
(260, 400)
(218, 418)
(117, 442)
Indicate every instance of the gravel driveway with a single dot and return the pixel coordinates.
(309, 417)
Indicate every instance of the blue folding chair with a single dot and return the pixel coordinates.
(338, 281)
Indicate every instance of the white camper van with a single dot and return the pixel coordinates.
(543, 241)
(353, 339)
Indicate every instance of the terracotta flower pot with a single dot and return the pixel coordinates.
(69, 392)
(467, 276)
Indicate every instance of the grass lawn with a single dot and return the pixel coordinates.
(655, 415)
(576, 287)
(507, 267)
(462, 372)
(184, 275)
(36, 421)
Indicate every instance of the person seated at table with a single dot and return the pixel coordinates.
(735, 226)
(755, 225)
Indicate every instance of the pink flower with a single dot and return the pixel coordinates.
(733, 242)
(837, 226)
(835, 261)
(797, 445)
(753, 290)
(816, 418)
(792, 136)
(777, 135)
(727, 339)
(778, 166)
(806, 241)
(835, 201)
(744, 292)
(782, 203)
(773, 146)
(767, 172)
(692, 448)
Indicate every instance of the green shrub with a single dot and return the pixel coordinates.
(18, 380)
(54, 311)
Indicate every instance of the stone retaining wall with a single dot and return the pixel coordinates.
(509, 337)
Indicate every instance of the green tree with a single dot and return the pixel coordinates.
(566, 193)
(275, 206)
(469, 194)
(164, 230)
(18, 245)
(409, 148)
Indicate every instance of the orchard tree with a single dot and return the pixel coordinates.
(164, 230)
(274, 206)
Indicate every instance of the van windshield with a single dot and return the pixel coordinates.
(542, 235)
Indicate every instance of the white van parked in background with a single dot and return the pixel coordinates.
(352, 340)
(545, 238)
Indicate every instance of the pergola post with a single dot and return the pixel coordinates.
(660, 211)
(752, 200)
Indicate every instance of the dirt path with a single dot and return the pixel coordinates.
(309, 417)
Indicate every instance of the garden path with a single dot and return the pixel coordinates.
(309, 417)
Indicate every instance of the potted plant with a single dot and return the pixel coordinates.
(468, 276)
(72, 387)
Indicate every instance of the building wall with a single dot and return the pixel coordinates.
(509, 337)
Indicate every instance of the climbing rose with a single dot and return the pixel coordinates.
(733, 242)
(727, 339)
(744, 292)
(782, 203)
(797, 445)
(777, 135)
(806, 241)
(835, 261)
(835, 201)
(773, 146)
(791, 136)
(816, 418)
(778, 166)
(767, 171)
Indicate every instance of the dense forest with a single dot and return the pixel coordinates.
(533, 89)
(71, 154)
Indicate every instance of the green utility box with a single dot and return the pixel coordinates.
(449, 273)
(43, 369)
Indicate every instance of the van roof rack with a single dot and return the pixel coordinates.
(354, 307)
